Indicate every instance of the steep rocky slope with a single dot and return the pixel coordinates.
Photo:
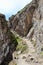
(22, 21)
(29, 21)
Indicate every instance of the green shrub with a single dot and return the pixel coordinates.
(15, 64)
(41, 53)
(13, 40)
(18, 39)
(17, 42)
(24, 48)
(21, 47)
(34, 43)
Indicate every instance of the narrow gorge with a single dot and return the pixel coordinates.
(21, 38)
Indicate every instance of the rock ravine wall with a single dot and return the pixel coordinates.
(4, 38)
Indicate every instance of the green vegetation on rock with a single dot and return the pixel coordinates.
(13, 39)
(41, 53)
(18, 39)
(34, 43)
(21, 47)
(14, 64)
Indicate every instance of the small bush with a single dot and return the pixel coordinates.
(15, 64)
(41, 53)
(21, 47)
(18, 39)
(13, 39)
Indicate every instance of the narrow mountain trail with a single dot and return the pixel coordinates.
(31, 49)
(30, 57)
(21, 61)
(30, 45)
(31, 54)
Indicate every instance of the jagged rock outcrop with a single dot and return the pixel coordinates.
(22, 21)
(4, 38)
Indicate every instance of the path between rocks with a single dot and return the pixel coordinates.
(30, 45)
(31, 49)
(32, 54)
(28, 42)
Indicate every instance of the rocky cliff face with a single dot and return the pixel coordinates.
(38, 26)
(31, 15)
(22, 21)
(4, 38)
